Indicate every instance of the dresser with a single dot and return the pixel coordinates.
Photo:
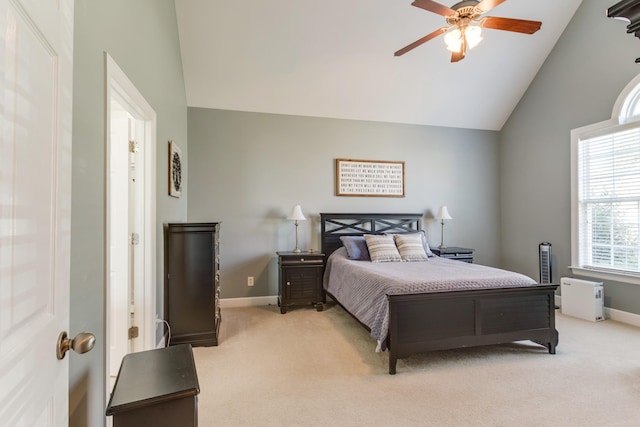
(300, 281)
(454, 252)
(192, 282)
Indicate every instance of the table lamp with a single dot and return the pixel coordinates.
(442, 214)
(296, 215)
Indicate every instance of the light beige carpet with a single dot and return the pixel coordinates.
(308, 368)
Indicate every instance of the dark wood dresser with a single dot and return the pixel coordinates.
(300, 279)
(192, 283)
(156, 388)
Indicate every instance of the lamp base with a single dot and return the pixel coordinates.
(297, 249)
(442, 246)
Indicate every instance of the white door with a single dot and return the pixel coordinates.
(136, 230)
(125, 222)
(119, 238)
(36, 54)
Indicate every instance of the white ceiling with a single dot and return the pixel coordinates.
(334, 58)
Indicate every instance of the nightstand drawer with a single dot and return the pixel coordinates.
(301, 260)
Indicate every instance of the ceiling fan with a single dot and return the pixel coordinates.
(465, 23)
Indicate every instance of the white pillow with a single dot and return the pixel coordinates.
(382, 248)
(410, 247)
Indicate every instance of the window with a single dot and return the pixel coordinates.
(606, 193)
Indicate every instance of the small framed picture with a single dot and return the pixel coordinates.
(175, 169)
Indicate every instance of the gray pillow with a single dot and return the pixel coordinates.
(356, 247)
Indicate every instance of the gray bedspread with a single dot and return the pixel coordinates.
(362, 286)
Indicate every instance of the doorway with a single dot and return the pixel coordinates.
(130, 252)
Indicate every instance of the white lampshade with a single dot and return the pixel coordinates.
(453, 40)
(473, 33)
(296, 214)
(443, 213)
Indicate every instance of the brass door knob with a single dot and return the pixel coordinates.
(81, 343)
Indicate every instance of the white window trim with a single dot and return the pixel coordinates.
(621, 114)
(606, 274)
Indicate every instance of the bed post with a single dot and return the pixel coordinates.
(392, 336)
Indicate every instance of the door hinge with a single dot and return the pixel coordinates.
(133, 332)
(133, 147)
(134, 239)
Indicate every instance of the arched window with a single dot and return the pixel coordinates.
(605, 191)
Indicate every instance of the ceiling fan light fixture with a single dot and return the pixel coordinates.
(465, 23)
(473, 33)
(454, 39)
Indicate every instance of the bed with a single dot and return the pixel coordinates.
(436, 318)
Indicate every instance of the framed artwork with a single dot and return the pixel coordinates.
(369, 178)
(175, 169)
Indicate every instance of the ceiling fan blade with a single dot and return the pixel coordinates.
(487, 5)
(510, 24)
(423, 40)
(434, 7)
(457, 56)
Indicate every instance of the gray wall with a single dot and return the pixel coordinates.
(578, 85)
(248, 170)
(142, 38)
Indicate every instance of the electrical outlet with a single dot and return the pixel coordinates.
(250, 281)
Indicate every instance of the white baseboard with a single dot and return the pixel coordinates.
(613, 314)
(622, 316)
(248, 302)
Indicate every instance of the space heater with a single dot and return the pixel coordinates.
(583, 299)
(544, 251)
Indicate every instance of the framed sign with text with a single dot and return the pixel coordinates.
(369, 178)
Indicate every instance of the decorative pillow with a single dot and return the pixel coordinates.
(356, 247)
(382, 248)
(422, 234)
(411, 247)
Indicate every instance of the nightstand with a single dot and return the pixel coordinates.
(300, 280)
(453, 252)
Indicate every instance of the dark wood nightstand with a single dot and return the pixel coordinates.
(156, 388)
(453, 252)
(300, 279)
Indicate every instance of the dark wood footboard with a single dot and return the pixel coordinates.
(438, 321)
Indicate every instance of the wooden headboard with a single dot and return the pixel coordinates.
(352, 224)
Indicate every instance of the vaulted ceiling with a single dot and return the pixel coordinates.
(334, 58)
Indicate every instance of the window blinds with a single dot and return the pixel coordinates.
(609, 200)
